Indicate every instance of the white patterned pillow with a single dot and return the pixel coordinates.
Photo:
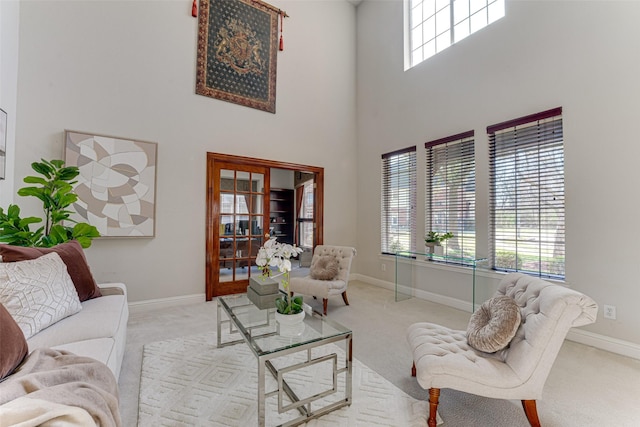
(38, 292)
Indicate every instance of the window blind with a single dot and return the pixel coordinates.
(451, 192)
(527, 199)
(398, 219)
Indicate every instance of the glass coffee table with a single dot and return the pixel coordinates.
(259, 330)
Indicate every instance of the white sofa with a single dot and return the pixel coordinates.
(98, 331)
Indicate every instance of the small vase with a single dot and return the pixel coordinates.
(291, 325)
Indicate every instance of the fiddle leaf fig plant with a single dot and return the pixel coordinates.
(54, 188)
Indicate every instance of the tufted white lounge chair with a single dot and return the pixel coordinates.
(326, 288)
(443, 358)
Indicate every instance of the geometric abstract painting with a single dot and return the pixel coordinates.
(116, 186)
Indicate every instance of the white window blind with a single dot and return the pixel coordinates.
(398, 219)
(527, 220)
(451, 193)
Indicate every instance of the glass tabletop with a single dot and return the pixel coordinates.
(260, 328)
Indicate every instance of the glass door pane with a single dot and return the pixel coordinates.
(242, 205)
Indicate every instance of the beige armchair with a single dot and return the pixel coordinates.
(444, 359)
(307, 285)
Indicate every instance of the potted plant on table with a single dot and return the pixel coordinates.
(55, 189)
(277, 254)
(433, 240)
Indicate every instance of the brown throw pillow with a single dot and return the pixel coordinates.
(325, 268)
(494, 325)
(73, 256)
(14, 345)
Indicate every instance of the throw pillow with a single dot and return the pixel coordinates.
(325, 268)
(14, 345)
(72, 255)
(38, 292)
(494, 324)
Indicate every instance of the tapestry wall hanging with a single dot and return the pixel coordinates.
(237, 52)
(116, 187)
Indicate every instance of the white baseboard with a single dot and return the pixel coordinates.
(602, 342)
(152, 304)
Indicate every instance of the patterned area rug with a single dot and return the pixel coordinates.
(190, 382)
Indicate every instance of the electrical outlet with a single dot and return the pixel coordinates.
(383, 267)
(610, 312)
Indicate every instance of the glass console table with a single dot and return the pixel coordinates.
(406, 263)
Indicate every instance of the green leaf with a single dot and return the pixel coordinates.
(57, 163)
(13, 211)
(31, 191)
(59, 234)
(67, 199)
(57, 217)
(29, 220)
(43, 168)
(35, 180)
(84, 229)
(67, 174)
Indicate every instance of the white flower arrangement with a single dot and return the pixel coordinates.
(277, 254)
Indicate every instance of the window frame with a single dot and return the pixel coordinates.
(406, 158)
(535, 137)
(452, 150)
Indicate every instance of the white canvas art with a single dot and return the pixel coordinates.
(116, 185)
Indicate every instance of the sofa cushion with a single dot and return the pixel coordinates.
(72, 255)
(100, 349)
(494, 324)
(14, 345)
(99, 318)
(98, 331)
(38, 292)
(325, 268)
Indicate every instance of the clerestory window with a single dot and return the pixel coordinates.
(434, 25)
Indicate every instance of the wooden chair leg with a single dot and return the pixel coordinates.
(344, 298)
(413, 369)
(531, 412)
(325, 302)
(434, 395)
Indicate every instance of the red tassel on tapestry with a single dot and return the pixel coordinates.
(281, 41)
(194, 9)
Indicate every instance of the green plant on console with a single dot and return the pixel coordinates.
(435, 238)
(55, 189)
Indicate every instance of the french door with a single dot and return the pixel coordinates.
(241, 210)
(238, 195)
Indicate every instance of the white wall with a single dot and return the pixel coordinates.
(9, 20)
(127, 68)
(582, 56)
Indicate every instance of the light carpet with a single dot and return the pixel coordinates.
(188, 381)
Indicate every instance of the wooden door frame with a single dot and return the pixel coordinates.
(212, 250)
